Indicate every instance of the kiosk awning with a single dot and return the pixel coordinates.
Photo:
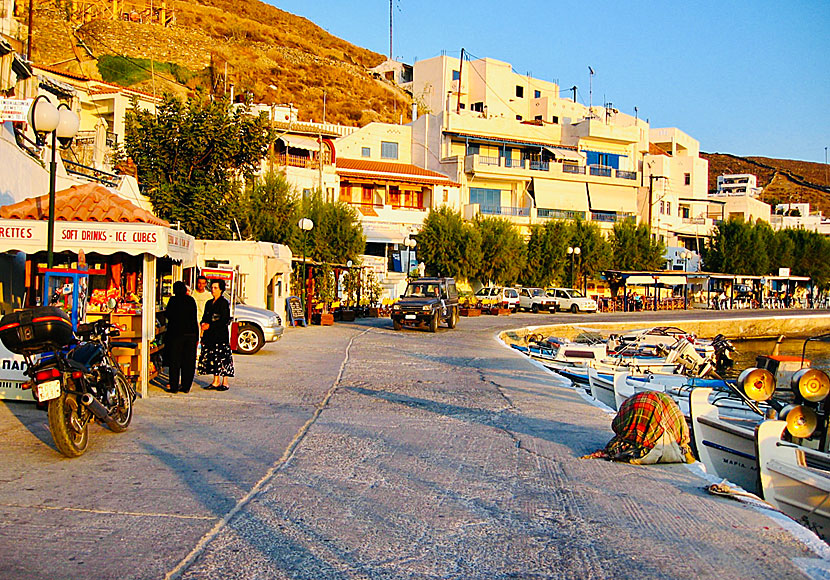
(566, 195)
(106, 238)
(649, 280)
(301, 142)
(566, 154)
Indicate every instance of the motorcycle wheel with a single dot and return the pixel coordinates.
(70, 441)
(123, 411)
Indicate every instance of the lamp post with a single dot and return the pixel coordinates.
(573, 252)
(62, 123)
(305, 225)
(410, 245)
(687, 255)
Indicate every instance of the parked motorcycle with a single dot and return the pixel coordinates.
(77, 377)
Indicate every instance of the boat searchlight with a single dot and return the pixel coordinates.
(757, 384)
(801, 420)
(812, 385)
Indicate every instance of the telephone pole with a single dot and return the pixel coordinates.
(651, 179)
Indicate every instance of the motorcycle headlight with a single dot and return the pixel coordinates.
(426, 308)
(396, 307)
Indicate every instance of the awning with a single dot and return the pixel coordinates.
(564, 195)
(566, 154)
(649, 280)
(613, 198)
(106, 238)
(301, 142)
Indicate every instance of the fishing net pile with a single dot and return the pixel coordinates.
(649, 428)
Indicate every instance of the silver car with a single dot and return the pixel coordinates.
(256, 327)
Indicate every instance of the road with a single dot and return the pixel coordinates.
(355, 451)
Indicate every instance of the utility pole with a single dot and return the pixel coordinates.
(590, 92)
(29, 38)
(390, 29)
(573, 88)
(651, 179)
(460, 70)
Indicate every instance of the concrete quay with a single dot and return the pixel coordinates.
(355, 451)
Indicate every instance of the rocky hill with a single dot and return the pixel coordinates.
(783, 180)
(273, 55)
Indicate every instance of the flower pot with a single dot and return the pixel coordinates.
(469, 312)
(322, 318)
(348, 315)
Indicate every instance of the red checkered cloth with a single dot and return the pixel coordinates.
(640, 424)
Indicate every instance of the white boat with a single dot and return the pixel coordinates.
(602, 387)
(801, 492)
(725, 447)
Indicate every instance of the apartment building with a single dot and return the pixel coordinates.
(738, 184)
(737, 197)
(521, 151)
(799, 216)
(674, 200)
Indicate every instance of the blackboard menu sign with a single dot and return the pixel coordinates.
(296, 315)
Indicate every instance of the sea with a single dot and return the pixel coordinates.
(817, 351)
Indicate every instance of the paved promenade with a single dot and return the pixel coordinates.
(355, 451)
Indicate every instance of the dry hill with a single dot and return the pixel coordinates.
(783, 180)
(273, 55)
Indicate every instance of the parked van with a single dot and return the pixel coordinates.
(573, 300)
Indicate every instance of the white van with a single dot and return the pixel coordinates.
(573, 300)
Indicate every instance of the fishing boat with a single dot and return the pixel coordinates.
(789, 483)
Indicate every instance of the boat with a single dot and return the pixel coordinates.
(788, 482)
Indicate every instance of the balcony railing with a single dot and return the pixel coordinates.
(575, 169)
(102, 177)
(600, 170)
(626, 174)
(298, 161)
(488, 160)
(610, 216)
(539, 165)
(561, 214)
(505, 210)
(695, 220)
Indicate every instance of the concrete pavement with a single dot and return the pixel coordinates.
(355, 451)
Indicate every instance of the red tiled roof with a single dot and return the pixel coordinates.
(100, 87)
(390, 171)
(82, 203)
(64, 73)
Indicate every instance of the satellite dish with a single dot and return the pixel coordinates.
(757, 384)
(813, 385)
(801, 420)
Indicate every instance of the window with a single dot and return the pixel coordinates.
(520, 91)
(554, 119)
(306, 193)
(446, 195)
(687, 178)
(537, 118)
(603, 159)
(668, 208)
(388, 150)
(477, 107)
(394, 196)
(462, 105)
(366, 152)
(537, 94)
(456, 75)
(488, 199)
(473, 148)
(518, 117)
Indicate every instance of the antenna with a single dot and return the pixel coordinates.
(591, 91)
(573, 88)
(390, 29)
(636, 110)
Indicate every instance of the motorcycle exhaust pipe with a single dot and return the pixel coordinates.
(97, 409)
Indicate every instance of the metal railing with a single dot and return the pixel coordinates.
(626, 174)
(600, 170)
(488, 160)
(562, 214)
(299, 161)
(576, 169)
(539, 165)
(504, 210)
(102, 177)
(610, 216)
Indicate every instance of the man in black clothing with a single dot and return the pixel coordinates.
(181, 338)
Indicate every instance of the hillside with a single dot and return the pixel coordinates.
(783, 180)
(273, 55)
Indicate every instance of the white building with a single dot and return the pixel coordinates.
(738, 184)
(798, 216)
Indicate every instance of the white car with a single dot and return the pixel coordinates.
(535, 299)
(573, 300)
(507, 297)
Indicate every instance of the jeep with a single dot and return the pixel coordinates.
(427, 302)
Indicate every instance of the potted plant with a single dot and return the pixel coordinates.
(324, 285)
(372, 290)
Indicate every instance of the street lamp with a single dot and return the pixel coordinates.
(305, 225)
(686, 256)
(573, 252)
(410, 245)
(62, 123)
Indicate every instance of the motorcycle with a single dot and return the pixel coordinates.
(76, 377)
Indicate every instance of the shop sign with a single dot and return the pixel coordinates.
(14, 110)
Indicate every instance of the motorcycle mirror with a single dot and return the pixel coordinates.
(812, 385)
(801, 420)
(757, 384)
(111, 303)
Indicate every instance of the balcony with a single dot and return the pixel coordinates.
(285, 160)
(601, 170)
(611, 217)
(574, 169)
(626, 174)
(559, 214)
(505, 210)
(539, 165)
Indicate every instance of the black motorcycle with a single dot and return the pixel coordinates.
(75, 377)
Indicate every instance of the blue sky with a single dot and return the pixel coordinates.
(742, 77)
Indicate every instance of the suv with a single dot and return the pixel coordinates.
(506, 297)
(256, 327)
(427, 301)
(573, 300)
(535, 299)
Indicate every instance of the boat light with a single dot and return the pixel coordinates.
(812, 385)
(801, 420)
(757, 384)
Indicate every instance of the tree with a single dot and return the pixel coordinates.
(632, 248)
(448, 246)
(595, 251)
(269, 208)
(188, 156)
(502, 251)
(735, 248)
(545, 254)
(337, 235)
